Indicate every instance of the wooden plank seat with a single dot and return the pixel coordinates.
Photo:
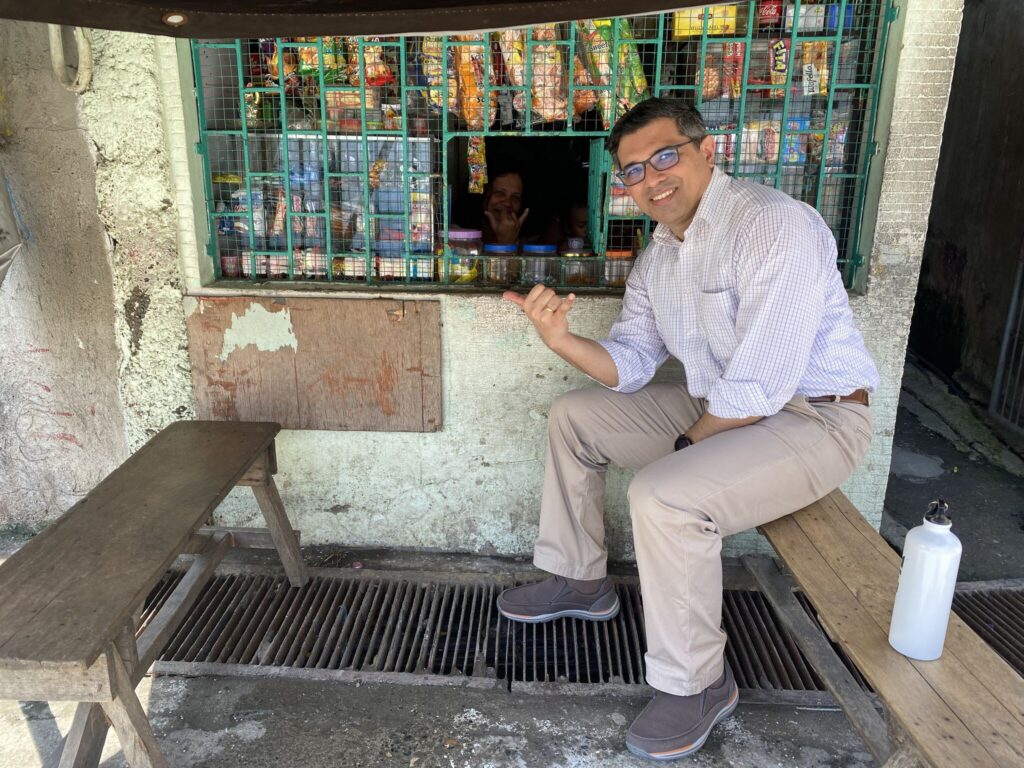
(73, 594)
(964, 709)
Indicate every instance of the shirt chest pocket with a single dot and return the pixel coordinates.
(717, 313)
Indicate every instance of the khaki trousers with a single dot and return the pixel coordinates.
(682, 503)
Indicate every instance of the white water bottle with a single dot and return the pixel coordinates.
(920, 614)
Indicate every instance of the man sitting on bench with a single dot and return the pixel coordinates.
(740, 284)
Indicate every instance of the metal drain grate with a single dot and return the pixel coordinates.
(450, 629)
(996, 612)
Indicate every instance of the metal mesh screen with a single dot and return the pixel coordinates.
(351, 160)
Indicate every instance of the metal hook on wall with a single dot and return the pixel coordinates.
(60, 69)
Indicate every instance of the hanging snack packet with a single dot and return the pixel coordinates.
(512, 46)
(815, 68)
(548, 89)
(712, 77)
(596, 53)
(732, 69)
(632, 80)
(309, 57)
(435, 65)
(335, 67)
(282, 68)
(778, 66)
(582, 101)
(376, 69)
(476, 160)
(470, 64)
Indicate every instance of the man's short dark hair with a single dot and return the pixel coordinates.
(688, 121)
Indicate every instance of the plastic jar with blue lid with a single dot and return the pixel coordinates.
(540, 264)
(501, 263)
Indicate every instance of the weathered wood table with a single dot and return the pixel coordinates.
(71, 597)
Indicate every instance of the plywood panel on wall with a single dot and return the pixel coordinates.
(317, 363)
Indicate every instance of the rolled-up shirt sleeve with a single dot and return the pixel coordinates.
(634, 343)
(781, 294)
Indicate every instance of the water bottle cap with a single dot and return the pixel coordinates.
(938, 513)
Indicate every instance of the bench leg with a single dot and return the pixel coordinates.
(83, 746)
(281, 531)
(129, 719)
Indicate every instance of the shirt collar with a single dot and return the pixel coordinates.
(709, 203)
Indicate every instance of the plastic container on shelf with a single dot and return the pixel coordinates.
(540, 264)
(580, 267)
(501, 264)
(465, 247)
(617, 268)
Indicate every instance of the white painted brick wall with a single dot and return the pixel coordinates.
(923, 79)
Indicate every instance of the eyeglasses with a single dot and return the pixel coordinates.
(662, 160)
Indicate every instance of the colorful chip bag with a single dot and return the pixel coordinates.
(476, 160)
(548, 89)
(513, 54)
(470, 66)
(778, 66)
(814, 57)
(376, 69)
(435, 66)
(582, 100)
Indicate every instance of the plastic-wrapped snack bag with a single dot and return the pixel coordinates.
(836, 155)
(778, 66)
(435, 66)
(814, 62)
(712, 78)
(596, 54)
(732, 69)
(335, 66)
(582, 100)
(513, 53)
(282, 68)
(470, 64)
(632, 80)
(548, 89)
(376, 69)
(476, 160)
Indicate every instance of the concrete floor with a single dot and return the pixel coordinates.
(941, 448)
(231, 722)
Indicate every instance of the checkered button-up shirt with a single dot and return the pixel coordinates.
(750, 302)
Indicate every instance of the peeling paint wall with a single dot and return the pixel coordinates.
(475, 485)
(122, 113)
(61, 425)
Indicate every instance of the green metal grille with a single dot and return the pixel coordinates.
(348, 160)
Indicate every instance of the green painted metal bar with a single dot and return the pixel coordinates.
(651, 37)
(867, 152)
(741, 117)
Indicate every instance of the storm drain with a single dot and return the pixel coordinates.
(449, 629)
(394, 628)
(996, 612)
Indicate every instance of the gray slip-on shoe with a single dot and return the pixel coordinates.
(554, 598)
(675, 726)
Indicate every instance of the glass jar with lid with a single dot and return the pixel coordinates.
(501, 264)
(464, 250)
(580, 266)
(540, 264)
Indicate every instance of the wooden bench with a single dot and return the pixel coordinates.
(73, 594)
(964, 710)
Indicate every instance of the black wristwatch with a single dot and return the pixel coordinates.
(682, 442)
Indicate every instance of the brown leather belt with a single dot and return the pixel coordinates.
(857, 396)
